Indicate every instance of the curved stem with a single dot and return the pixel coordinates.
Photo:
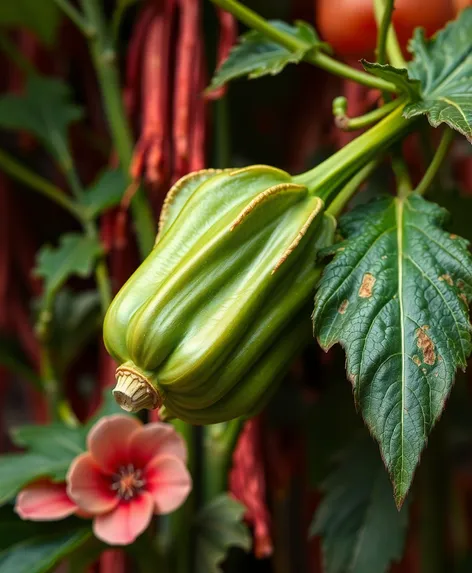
(386, 19)
(219, 443)
(342, 198)
(103, 57)
(353, 123)
(435, 164)
(318, 58)
(16, 170)
(340, 167)
(75, 16)
(10, 49)
(387, 41)
(402, 176)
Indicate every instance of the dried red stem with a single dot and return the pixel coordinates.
(149, 153)
(184, 82)
(227, 39)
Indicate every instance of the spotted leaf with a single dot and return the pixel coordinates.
(396, 297)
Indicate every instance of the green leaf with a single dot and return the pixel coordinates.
(41, 17)
(75, 255)
(20, 469)
(45, 110)
(39, 552)
(361, 529)
(255, 55)
(51, 449)
(396, 298)
(219, 527)
(55, 442)
(443, 64)
(397, 76)
(106, 192)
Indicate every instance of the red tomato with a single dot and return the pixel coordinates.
(461, 4)
(349, 25)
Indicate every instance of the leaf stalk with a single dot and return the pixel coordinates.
(315, 57)
(439, 156)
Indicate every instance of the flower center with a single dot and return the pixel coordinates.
(128, 482)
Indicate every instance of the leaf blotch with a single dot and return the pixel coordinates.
(426, 345)
(367, 286)
(343, 306)
(416, 360)
(446, 278)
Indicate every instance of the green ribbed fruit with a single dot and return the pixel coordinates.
(213, 317)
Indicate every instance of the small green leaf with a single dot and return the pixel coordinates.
(41, 17)
(396, 298)
(75, 255)
(219, 527)
(443, 65)
(255, 55)
(45, 110)
(397, 76)
(19, 470)
(106, 192)
(42, 552)
(51, 449)
(55, 442)
(361, 529)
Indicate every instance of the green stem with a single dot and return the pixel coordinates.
(75, 16)
(104, 285)
(181, 521)
(103, 56)
(49, 380)
(10, 49)
(440, 154)
(342, 198)
(387, 41)
(24, 175)
(353, 123)
(316, 57)
(402, 175)
(219, 443)
(337, 169)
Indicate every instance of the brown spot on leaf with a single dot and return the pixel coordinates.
(340, 249)
(460, 284)
(367, 286)
(453, 236)
(425, 343)
(343, 306)
(463, 297)
(416, 360)
(446, 278)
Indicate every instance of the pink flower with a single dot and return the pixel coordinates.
(45, 500)
(130, 472)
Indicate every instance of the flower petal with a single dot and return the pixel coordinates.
(169, 482)
(44, 501)
(108, 441)
(126, 522)
(89, 487)
(153, 440)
